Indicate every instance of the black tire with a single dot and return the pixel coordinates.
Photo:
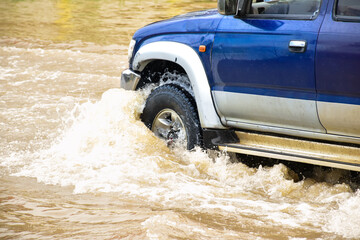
(167, 99)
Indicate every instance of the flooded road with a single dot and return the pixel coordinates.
(76, 162)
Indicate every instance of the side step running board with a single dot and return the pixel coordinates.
(317, 153)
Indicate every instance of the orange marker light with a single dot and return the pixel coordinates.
(202, 48)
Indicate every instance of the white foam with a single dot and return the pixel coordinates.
(106, 148)
(344, 219)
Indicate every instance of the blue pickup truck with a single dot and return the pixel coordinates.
(270, 78)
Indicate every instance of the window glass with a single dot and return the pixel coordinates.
(286, 7)
(348, 8)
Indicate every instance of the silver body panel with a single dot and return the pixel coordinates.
(292, 117)
(340, 119)
(267, 111)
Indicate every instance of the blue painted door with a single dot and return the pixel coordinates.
(263, 68)
(338, 69)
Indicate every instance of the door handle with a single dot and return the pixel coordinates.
(297, 46)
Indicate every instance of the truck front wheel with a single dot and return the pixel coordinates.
(171, 114)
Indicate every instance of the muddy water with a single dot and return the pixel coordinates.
(76, 162)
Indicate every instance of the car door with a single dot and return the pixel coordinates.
(263, 66)
(338, 69)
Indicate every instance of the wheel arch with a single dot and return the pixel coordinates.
(187, 59)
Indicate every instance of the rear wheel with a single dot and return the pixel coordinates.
(171, 114)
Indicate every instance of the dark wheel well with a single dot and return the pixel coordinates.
(154, 71)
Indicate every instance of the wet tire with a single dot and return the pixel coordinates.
(171, 114)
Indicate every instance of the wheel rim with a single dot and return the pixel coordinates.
(168, 125)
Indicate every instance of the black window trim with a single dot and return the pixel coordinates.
(282, 16)
(340, 18)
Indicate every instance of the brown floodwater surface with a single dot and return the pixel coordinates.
(76, 162)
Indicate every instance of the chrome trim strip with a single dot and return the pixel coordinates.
(289, 157)
(290, 149)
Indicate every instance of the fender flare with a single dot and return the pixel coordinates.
(189, 60)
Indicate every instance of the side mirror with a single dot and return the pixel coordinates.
(228, 7)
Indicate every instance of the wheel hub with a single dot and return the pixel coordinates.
(168, 125)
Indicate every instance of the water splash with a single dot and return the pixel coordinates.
(108, 149)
